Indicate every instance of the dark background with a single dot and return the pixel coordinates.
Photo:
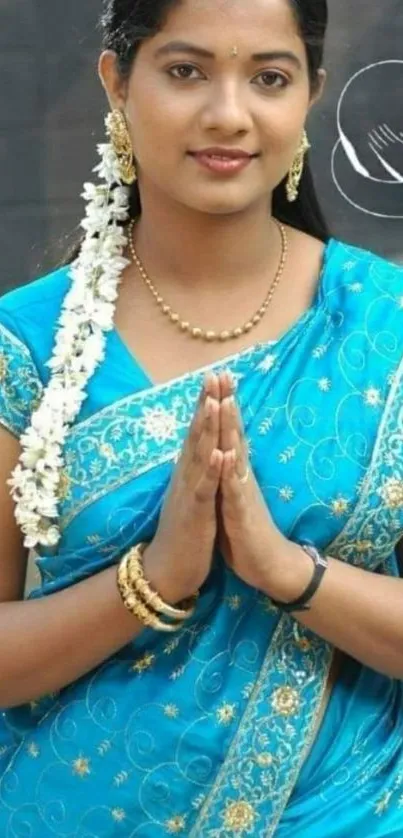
(51, 116)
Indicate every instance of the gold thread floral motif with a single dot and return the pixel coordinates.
(160, 424)
(239, 816)
(171, 711)
(264, 760)
(175, 824)
(392, 493)
(226, 714)
(118, 814)
(144, 663)
(81, 767)
(373, 397)
(234, 602)
(286, 701)
(339, 506)
(363, 546)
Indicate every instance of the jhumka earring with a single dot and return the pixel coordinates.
(120, 138)
(295, 174)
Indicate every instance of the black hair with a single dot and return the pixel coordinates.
(125, 24)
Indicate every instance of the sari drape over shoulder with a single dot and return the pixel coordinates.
(225, 729)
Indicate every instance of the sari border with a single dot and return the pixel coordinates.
(147, 398)
(14, 339)
(381, 496)
(317, 719)
(156, 389)
(21, 384)
(76, 511)
(139, 403)
(275, 670)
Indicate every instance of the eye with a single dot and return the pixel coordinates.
(183, 72)
(273, 79)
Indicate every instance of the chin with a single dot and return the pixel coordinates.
(223, 204)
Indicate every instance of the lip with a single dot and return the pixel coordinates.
(225, 153)
(223, 166)
(223, 162)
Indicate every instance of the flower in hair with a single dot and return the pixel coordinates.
(87, 315)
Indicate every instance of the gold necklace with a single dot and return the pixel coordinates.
(202, 334)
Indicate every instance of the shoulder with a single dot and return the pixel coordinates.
(356, 270)
(363, 293)
(354, 283)
(362, 286)
(29, 314)
(43, 294)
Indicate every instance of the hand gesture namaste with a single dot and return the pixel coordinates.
(250, 542)
(214, 497)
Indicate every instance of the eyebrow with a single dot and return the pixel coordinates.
(192, 49)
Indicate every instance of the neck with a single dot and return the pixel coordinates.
(178, 245)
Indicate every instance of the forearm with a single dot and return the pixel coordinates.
(48, 643)
(359, 612)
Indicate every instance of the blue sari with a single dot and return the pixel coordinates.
(231, 727)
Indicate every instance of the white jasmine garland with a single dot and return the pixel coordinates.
(87, 314)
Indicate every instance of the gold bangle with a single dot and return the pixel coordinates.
(152, 599)
(136, 606)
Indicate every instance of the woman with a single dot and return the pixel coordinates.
(244, 721)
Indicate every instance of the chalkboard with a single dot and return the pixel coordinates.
(358, 130)
(51, 116)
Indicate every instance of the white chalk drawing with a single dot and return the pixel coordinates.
(367, 159)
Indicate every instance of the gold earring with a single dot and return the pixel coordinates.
(118, 132)
(297, 168)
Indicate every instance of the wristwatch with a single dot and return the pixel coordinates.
(321, 563)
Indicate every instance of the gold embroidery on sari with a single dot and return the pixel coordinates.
(144, 663)
(282, 697)
(81, 767)
(226, 714)
(240, 817)
(392, 493)
(118, 814)
(376, 524)
(21, 387)
(32, 750)
(286, 701)
(176, 824)
(171, 711)
(128, 438)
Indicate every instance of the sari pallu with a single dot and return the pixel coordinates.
(217, 731)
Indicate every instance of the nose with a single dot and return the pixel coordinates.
(226, 112)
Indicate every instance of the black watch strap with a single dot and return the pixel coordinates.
(321, 563)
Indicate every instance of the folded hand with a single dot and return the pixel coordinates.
(249, 540)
